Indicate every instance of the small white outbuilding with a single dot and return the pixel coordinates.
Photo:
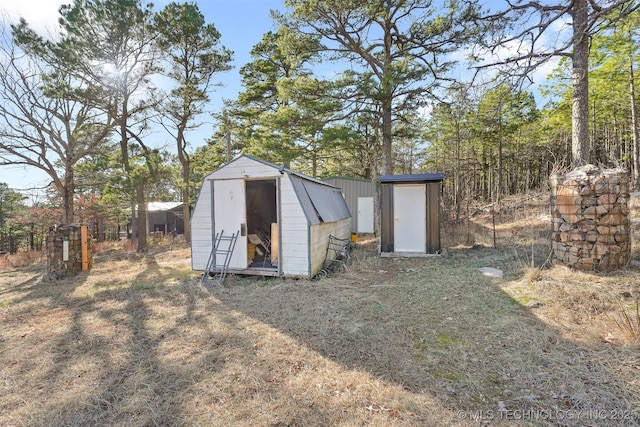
(284, 219)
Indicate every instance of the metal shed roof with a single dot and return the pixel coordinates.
(423, 177)
(320, 202)
(163, 206)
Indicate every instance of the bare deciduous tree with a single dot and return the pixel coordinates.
(38, 128)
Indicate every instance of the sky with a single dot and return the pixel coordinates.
(241, 24)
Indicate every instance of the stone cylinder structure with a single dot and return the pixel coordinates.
(590, 214)
(68, 251)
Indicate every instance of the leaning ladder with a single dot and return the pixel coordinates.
(218, 252)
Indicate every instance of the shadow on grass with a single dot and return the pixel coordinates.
(146, 354)
(437, 327)
(422, 341)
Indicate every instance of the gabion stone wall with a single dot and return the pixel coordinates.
(590, 214)
(57, 266)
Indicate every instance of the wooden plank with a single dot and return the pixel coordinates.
(84, 244)
(275, 243)
(320, 239)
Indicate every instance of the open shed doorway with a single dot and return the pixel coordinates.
(262, 224)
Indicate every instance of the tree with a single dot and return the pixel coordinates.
(191, 49)
(501, 113)
(531, 21)
(448, 133)
(206, 158)
(110, 45)
(408, 150)
(11, 204)
(283, 107)
(397, 50)
(315, 117)
(40, 126)
(616, 64)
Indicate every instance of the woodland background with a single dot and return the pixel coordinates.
(341, 88)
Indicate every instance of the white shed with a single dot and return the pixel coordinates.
(284, 219)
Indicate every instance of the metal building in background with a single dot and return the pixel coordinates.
(358, 193)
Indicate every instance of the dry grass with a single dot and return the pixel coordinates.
(429, 341)
(21, 260)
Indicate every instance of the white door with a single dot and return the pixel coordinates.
(230, 213)
(409, 218)
(365, 215)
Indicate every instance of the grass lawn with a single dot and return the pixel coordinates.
(137, 341)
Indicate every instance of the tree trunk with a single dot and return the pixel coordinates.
(594, 145)
(142, 216)
(67, 197)
(314, 160)
(580, 82)
(387, 156)
(456, 178)
(185, 163)
(500, 182)
(134, 222)
(186, 212)
(634, 126)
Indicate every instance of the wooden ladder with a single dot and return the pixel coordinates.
(218, 252)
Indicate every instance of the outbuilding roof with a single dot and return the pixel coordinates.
(163, 206)
(422, 177)
(320, 201)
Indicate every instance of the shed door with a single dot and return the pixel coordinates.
(409, 218)
(365, 214)
(230, 216)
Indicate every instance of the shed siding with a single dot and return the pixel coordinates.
(386, 218)
(201, 228)
(320, 240)
(294, 229)
(294, 243)
(244, 167)
(433, 217)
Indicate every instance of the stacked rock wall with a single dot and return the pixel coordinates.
(591, 224)
(57, 266)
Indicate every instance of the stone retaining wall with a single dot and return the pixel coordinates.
(590, 214)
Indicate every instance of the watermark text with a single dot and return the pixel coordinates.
(533, 414)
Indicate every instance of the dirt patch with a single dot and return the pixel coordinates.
(420, 341)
